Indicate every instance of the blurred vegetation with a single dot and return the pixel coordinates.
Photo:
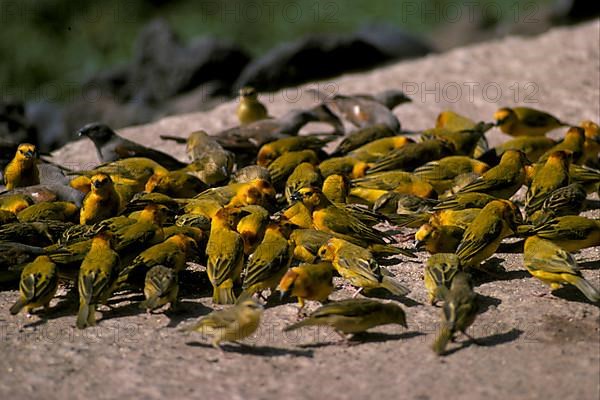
(45, 43)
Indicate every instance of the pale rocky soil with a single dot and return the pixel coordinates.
(534, 345)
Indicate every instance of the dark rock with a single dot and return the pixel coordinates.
(326, 55)
(14, 129)
(163, 67)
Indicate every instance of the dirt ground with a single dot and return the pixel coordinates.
(532, 344)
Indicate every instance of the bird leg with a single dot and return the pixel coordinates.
(471, 338)
(357, 292)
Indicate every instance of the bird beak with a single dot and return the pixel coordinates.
(29, 154)
(283, 294)
(296, 197)
(81, 133)
(97, 184)
(419, 244)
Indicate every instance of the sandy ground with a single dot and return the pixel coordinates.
(532, 344)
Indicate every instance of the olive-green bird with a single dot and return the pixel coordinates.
(356, 141)
(161, 286)
(22, 170)
(568, 200)
(554, 266)
(45, 211)
(503, 180)
(462, 201)
(571, 232)
(37, 286)
(210, 162)
(336, 188)
(97, 276)
(101, 202)
(532, 146)
(225, 252)
(438, 239)
(267, 264)
(250, 109)
(552, 176)
(337, 221)
(413, 155)
(440, 270)
(347, 165)
(353, 316)
(464, 141)
(251, 226)
(358, 265)
(458, 312)
(573, 142)
(283, 166)
(172, 253)
(525, 121)
(271, 151)
(304, 175)
(307, 282)
(441, 173)
(230, 324)
(496, 221)
(307, 243)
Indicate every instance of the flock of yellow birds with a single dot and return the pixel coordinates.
(269, 211)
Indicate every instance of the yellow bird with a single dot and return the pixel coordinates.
(231, 324)
(269, 152)
(532, 146)
(172, 253)
(336, 188)
(161, 286)
(413, 155)
(304, 175)
(552, 176)
(458, 312)
(180, 184)
(524, 121)
(462, 201)
(97, 276)
(282, 167)
(347, 166)
(373, 151)
(438, 239)
(440, 270)
(591, 146)
(496, 221)
(15, 203)
(441, 174)
(556, 267)
(571, 232)
(271, 259)
(225, 253)
(22, 170)
(503, 180)
(101, 202)
(250, 109)
(573, 142)
(298, 214)
(307, 243)
(307, 282)
(338, 221)
(358, 265)
(146, 231)
(38, 284)
(361, 137)
(251, 226)
(57, 211)
(353, 316)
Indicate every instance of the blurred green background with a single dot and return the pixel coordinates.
(66, 41)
